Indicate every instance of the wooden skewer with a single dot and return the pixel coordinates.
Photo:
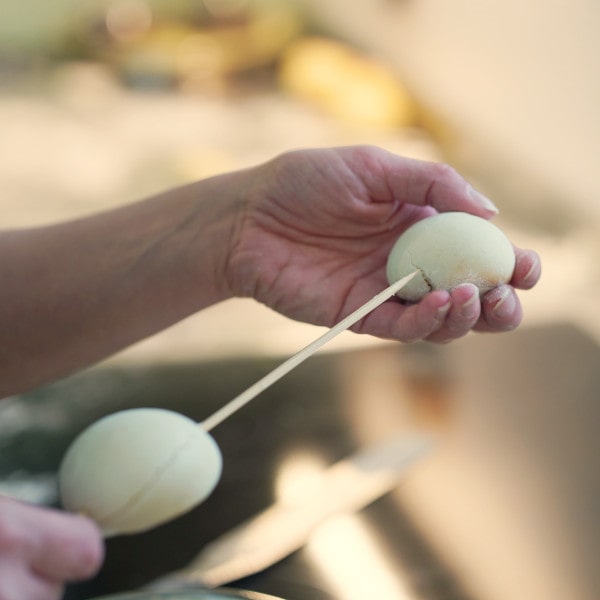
(278, 372)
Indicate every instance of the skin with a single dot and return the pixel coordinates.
(307, 234)
(295, 255)
(40, 549)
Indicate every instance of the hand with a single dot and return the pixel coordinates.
(314, 238)
(42, 549)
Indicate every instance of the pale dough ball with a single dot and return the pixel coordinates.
(138, 468)
(449, 249)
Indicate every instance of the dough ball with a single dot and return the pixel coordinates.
(135, 469)
(449, 249)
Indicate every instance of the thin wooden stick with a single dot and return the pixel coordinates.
(292, 362)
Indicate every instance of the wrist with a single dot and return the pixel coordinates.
(219, 209)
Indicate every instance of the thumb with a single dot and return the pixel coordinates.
(433, 184)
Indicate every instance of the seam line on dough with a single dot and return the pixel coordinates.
(149, 484)
(421, 272)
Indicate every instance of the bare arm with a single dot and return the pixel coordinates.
(73, 293)
(307, 234)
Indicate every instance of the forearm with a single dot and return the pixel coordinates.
(74, 293)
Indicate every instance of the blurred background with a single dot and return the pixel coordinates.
(103, 102)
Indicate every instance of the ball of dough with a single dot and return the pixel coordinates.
(138, 468)
(449, 249)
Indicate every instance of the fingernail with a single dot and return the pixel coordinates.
(442, 311)
(483, 201)
(505, 307)
(468, 307)
(531, 275)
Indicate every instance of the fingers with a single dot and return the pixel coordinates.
(462, 316)
(441, 322)
(498, 311)
(394, 320)
(43, 549)
(501, 310)
(421, 320)
(69, 547)
(439, 317)
(442, 317)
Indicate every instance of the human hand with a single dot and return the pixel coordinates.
(314, 238)
(42, 549)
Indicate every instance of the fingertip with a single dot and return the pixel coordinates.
(528, 269)
(463, 315)
(502, 309)
(450, 191)
(466, 298)
(440, 301)
(427, 316)
(91, 547)
(83, 549)
(66, 547)
(482, 202)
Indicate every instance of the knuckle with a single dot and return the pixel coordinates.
(444, 173)
(366, 154)
(285, 162)
(442, 179)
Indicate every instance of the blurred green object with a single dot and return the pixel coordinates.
(32, 26)
(43, 28)
(191, 595)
